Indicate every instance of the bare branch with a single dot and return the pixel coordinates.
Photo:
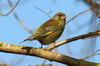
(43, 11)
(95, 6)
(95, 53)
(91, 34)
(10, 10)
(19, 20)
(39, 52)
(77, 15)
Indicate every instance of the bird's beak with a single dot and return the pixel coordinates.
(63, 17)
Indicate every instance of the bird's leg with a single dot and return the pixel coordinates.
(54, 42)
(41, 46)
(99, 17)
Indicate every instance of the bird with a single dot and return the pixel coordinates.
(50, 31)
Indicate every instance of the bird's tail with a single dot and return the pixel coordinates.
(28, 39)
(23, 41)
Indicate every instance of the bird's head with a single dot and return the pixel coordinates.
(59, 16)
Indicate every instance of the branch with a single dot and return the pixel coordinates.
(95, 53)
(18, 19)
(10, 10)
(77, 15)
(89, 35)
(38, 52)
(43, 11)
(95, 5)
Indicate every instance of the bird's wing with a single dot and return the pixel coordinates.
(47, 28)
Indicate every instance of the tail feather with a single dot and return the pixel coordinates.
(23, 41)
(28, 39)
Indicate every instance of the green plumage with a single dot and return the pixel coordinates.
(50, 31)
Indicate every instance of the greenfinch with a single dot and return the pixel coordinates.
(50, 31)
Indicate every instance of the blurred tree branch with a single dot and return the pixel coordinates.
(43, 11)
(95, 53)
(89, 49)
(77, 15)
(94, 5)
(10, 10)
(18, 19)
(44, 53)
(85, 36)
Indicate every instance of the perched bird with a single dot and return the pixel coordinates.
(50, 31)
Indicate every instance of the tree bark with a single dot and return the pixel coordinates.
(42, 53)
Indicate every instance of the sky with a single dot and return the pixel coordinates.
(11, 32)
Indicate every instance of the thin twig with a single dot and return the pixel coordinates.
(18, 19)
(44, 62)
(43, 11)
(77, 15)
(10, 10)
(95, 53)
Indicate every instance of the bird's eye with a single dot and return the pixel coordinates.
(60, 15)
